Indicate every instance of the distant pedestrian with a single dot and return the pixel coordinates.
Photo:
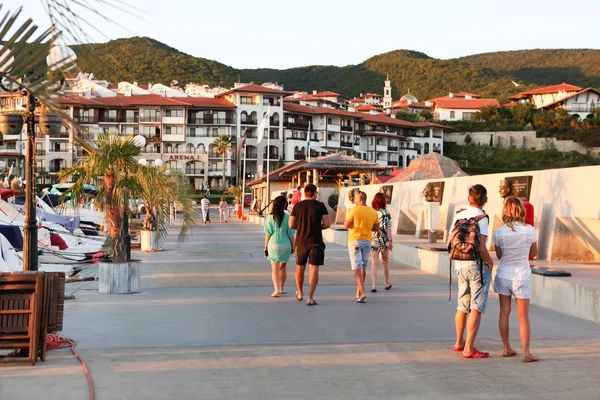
(381, 242)
(289, 204)
(309, 217)
(279, 244)
(205, 205)
(223, 209)
(297, 196)
(515, 242)
(360, 222)
(473, 277)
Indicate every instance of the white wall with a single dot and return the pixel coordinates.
(555, 193)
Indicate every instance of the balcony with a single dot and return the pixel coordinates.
(392, 148)
(194, 171)
(299, 157)
(252, 155)
(273, 122)
(173, 120)
(149, 139)
(346, 128)
(297, 136)
(274, 135)
(150, 118)
(173, 138)
(130, 120)
(295, 125)
(347, 144)
(210, 121)
(249, 122)
(581, 108)
(104, 119)
(86, 119)
(392, 163)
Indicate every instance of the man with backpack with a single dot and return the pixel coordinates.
(467, 247)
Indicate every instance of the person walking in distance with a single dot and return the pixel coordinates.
(279, 243)
(361, 221)
(515, 242)
(205, 205)
(297, 196)
(381, 242)
(223, 208)
(473, 277)
(309, 217)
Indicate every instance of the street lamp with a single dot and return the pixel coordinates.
(58, 57)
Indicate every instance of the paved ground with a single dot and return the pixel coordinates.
(204, 327)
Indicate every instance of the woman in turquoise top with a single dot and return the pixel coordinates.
(279, 243)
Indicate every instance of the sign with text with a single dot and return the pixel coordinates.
(521, 186)
(186, 157)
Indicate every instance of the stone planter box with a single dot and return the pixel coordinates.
(11, 124)
(150, 241)
(119, 278)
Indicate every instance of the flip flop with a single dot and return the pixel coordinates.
(274, 295)
(388, 287)
(361, 300)
(299, 298)
(509, 353)
(476, 354)
(528, 359)
(458, 348)
(373, 290)
(311, 303)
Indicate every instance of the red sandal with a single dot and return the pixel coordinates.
(476, 354)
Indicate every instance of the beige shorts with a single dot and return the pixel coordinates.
(513, 287)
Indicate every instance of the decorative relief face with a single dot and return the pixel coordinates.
(428, 192)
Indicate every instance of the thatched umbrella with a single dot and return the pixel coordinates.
(429, 166)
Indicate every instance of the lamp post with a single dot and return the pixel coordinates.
(58, 57)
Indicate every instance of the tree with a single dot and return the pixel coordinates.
(407, 116)
(222, 145)
(486, 113)
(468, 139)
(523, 113)
(43, 175)
(426, 115)
(237, 192)
(112, 158)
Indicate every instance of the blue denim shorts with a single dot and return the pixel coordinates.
(359, 252)
(472, 292)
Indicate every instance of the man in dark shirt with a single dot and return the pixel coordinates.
(309, 218)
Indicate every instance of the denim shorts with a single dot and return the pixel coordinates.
(472, 292)
(359, 252)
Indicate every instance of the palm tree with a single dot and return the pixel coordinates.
(111, 158)
(159, 189)
(222, 145)
(43, 175)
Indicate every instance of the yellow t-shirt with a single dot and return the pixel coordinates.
(363, 218)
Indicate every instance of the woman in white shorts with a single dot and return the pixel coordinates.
(514, 241)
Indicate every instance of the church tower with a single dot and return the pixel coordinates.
(387, 93)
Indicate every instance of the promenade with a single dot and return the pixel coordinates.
(205, 327)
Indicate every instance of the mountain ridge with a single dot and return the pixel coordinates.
(144, 59)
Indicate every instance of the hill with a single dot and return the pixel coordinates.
(145, 60)
(543, 67)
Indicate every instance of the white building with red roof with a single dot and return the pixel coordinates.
(459, 106)
(578, 102)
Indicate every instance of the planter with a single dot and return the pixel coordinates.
(150, 241)
(119, 278)
(50, 124)
(11, 124)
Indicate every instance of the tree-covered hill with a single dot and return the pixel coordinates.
(145, 60)
(544, 67)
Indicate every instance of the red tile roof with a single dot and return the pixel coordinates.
(465, 104)
(384, 119)
(252, 88)
(465, 94)
(205, 102)
(511, 104)
(308, 97)
(404, 103)
(551, 89)
(297, 108)
(327, 94)
(373, 95)
(366, 107)
(145, 100)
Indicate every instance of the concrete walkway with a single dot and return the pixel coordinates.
(204, 327)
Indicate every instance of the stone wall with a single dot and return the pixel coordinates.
(519, 140)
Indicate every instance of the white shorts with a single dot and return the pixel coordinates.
(513, 287)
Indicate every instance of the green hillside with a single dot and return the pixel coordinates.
(544, 67)
(145, 60)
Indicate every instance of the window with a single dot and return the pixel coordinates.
(247, 100)
(213, 166)
(467, 116)
(330, 120)
(452, 114)
(149, 130)
(174, 130)
(129, 130)
(192, 132)
(174, 113)
(387, 92)
(130, 116)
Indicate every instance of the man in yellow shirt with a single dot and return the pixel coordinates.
(361, 221)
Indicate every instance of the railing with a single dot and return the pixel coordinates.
(295, 125)
(299, 157)
(155, 138)
(249, 122)
(252, 155)
(392, 163)
(213, 155)
(274, 135)
(346, 144)
(272, 156)
(346, 128)
(194, 171)
(130, 120)
(272, 122)
(392, 148)
(581, 108)
(40, 152)
(210, 121)
(297, 136)
(150, 118)
(86, 119)
(108, 119)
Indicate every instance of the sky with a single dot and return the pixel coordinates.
(288, 33)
